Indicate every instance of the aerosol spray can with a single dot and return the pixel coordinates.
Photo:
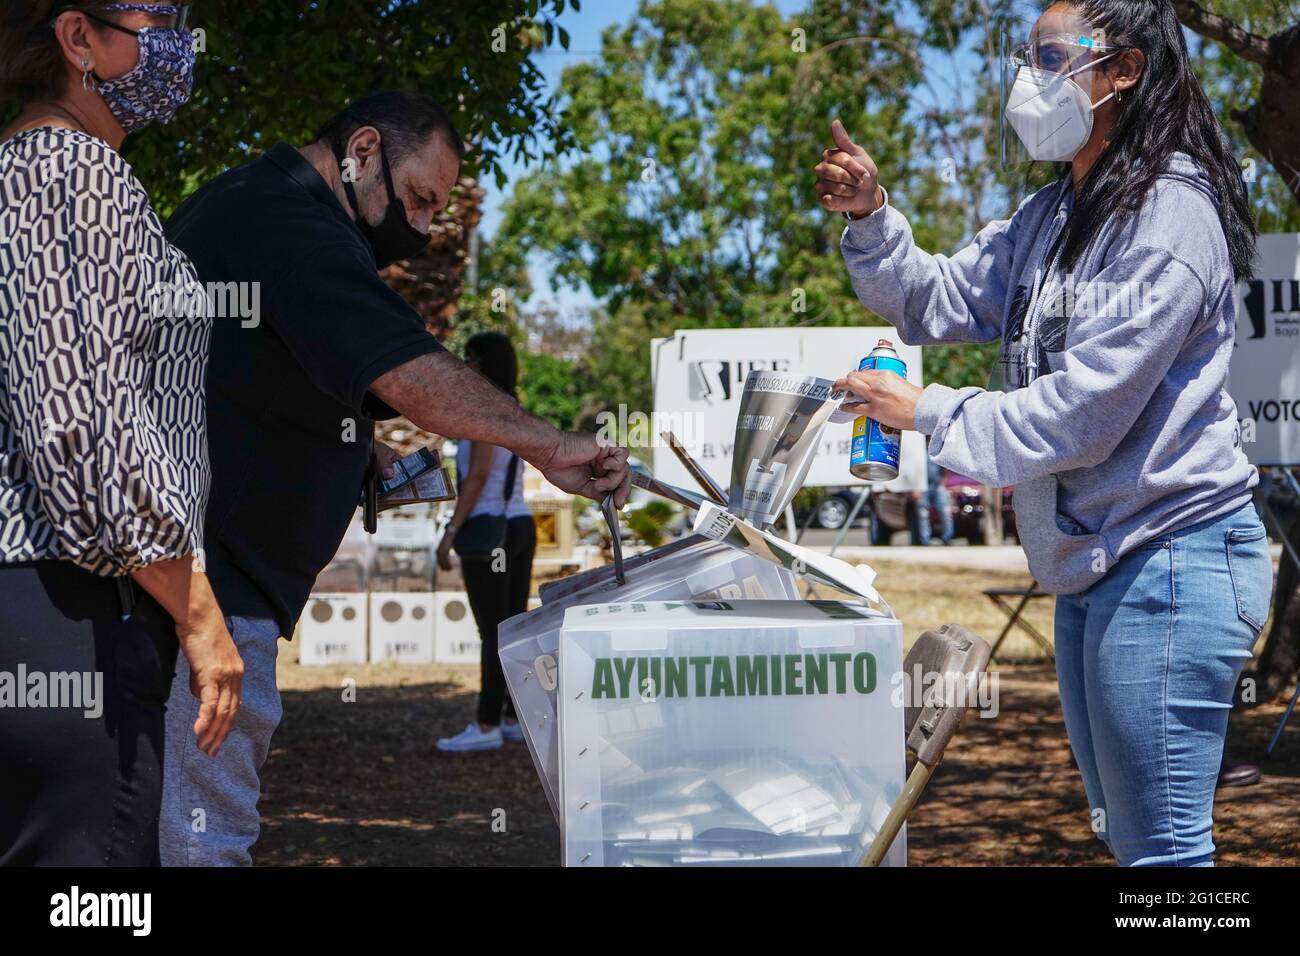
(874, 455)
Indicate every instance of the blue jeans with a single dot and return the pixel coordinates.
(209, 805)
(935, 496)
(1147, 659)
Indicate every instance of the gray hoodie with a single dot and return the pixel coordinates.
(1116, 427)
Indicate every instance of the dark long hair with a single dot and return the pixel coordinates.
(495, 356)
(1166, 112)
(31, 60)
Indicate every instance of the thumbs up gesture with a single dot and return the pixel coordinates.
(847, 179)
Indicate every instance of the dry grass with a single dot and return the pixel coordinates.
(923, 597)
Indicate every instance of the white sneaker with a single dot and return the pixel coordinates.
(512, 732)
(470, 739)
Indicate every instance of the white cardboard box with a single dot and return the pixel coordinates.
(401, 626)
(455, 633)
(332, 629)
(704, 733)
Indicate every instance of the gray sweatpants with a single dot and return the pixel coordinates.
(209, 806)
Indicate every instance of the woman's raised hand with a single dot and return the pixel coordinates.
(847, 179)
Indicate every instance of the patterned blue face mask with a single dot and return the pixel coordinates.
(162, 81)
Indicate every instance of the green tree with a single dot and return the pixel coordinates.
(688, 201)
(1255, 54)
(1224, 44)
(547, 388)
(276, 71)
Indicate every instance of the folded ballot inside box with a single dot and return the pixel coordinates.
(529, 644)
(759, 733)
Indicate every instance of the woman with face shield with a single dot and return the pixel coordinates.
(103, 445)
(1111, 292)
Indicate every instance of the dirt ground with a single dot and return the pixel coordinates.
(360, 783)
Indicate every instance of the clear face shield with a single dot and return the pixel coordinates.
(173, 16)
(1046, 71)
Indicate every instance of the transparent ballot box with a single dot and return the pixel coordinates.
(529, 643)
(743, 733)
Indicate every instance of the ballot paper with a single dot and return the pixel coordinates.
(714, 523)
(781, 419)
(733, 733)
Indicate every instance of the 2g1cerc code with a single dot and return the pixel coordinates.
(1202, 897)
(1217, 896)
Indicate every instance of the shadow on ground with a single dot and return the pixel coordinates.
(361, 784)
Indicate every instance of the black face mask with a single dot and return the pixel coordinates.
(394, 238)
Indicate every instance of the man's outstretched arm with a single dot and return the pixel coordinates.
(441, 394)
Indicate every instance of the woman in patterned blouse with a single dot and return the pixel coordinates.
(103, 452)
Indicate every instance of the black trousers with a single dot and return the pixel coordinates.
(79, 788)
(499, 590)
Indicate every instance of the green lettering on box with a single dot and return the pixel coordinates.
(864, 673)
(649, 683)
(742, 675)
(840, 661)
(698, 663)
(751, 676)
(722, 685)
(602, 680)
(814, 673)
(675, 669)
(624, 674)
(792, 674)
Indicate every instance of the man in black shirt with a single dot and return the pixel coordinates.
(293, 394)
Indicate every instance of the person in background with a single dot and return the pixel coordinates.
(103, 451)
(497, 581)
(935, 496)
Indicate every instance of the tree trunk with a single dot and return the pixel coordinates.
(1272, 125)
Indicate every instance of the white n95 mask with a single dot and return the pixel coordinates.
(1051, 113)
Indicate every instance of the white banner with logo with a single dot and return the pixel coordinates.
(699, 375)
(1264, 378)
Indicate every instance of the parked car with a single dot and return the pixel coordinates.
(835, 509)
(888, 512)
